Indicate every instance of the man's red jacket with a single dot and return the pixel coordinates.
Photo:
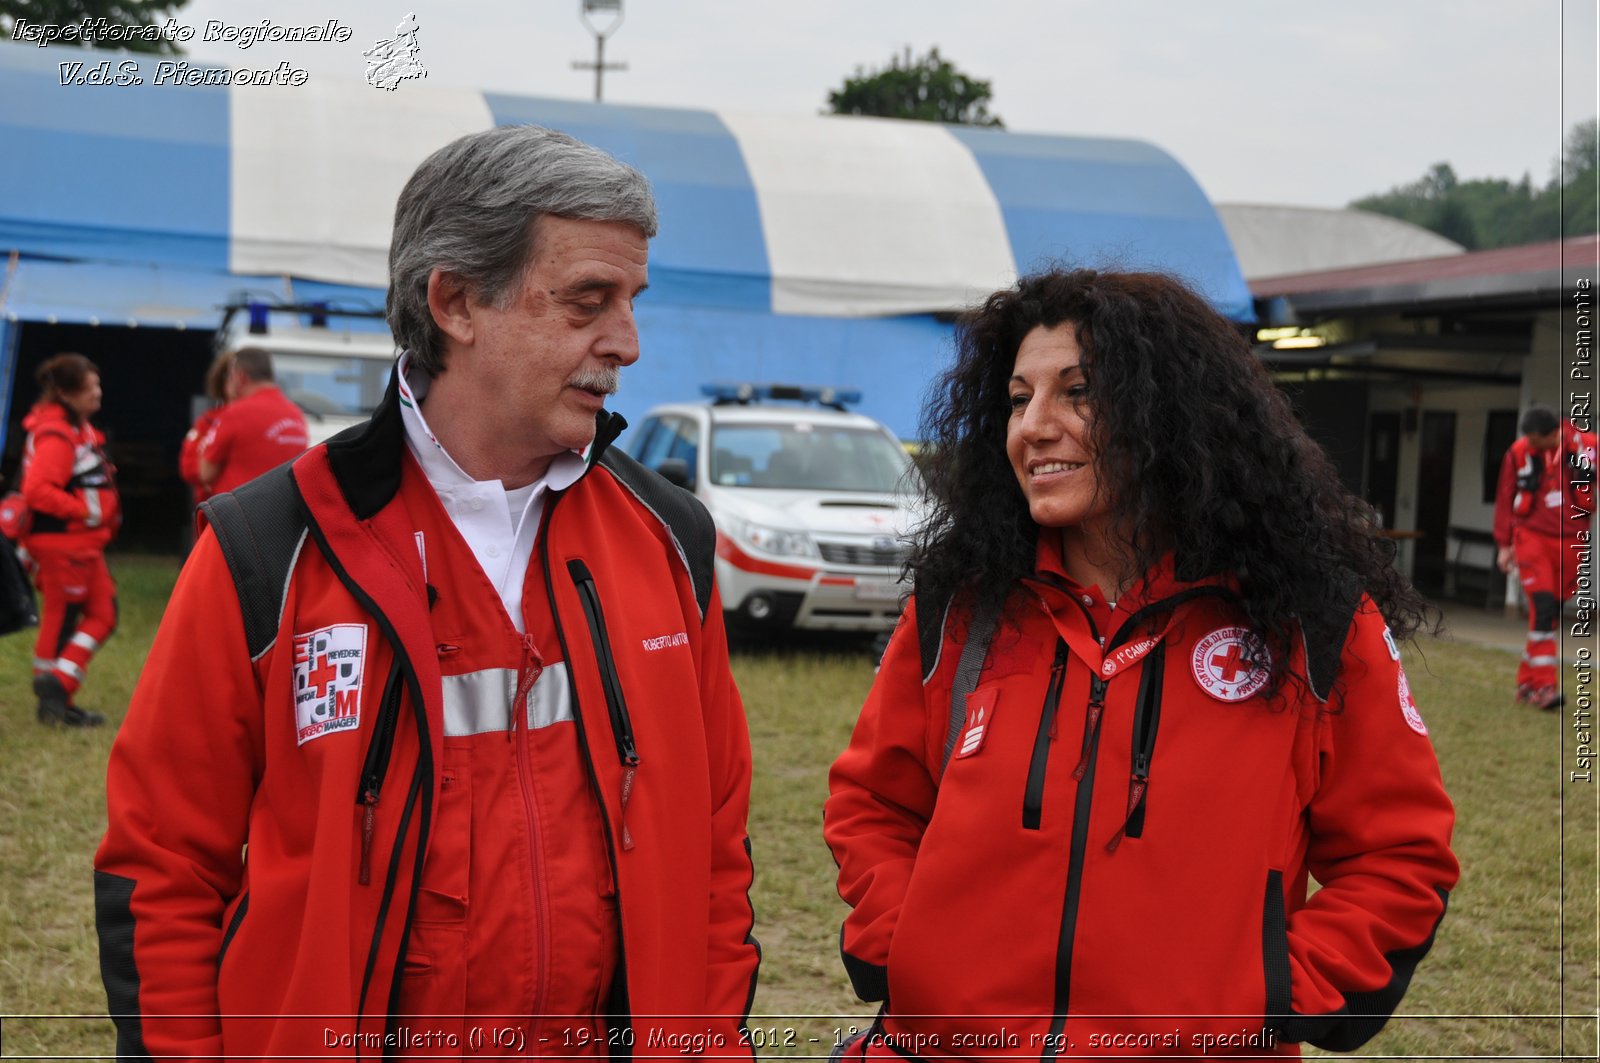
(1561, 505)
(206, 953)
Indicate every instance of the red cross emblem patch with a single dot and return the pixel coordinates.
(327, 680)
(1222, 669)
(1408, 706)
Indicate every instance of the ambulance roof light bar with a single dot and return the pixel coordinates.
(725, 394)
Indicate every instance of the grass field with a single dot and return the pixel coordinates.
(1516, 953)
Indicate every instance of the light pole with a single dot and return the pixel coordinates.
(612, 9)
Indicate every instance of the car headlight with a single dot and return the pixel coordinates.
(778, 541)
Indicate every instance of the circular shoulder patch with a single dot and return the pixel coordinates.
(1408, 706)
(1222, 669)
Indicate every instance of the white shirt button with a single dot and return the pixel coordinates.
(493, 551)
(476, 504)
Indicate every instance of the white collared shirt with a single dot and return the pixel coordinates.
(500, 526)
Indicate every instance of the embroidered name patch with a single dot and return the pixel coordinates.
(327, 680)
(665, 642)
(1222, 669)
(1408, 706)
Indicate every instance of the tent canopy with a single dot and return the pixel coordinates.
(155, 204)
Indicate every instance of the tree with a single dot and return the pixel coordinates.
(929, 89)
(1582, 151)
(115, 12)
(1495, 212)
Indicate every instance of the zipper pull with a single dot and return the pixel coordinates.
(1135, 799)
(369, 816)
(1057, 671)
(527, 676)
(628, 771)
(629, 755)
(1091, 726)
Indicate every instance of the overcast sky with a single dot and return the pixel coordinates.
(1267, 101)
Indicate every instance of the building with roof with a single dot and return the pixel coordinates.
(807, 249)
(1276, 241)
(1414, 375)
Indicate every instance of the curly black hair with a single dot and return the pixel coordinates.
(1200, 453)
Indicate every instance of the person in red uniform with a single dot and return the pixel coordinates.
(69, 487)
(478, 734)
(189, 452)
(1543, 515)
(1095, 838)
(258, 429)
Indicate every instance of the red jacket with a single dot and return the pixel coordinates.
(251, 435)
(215, 755)
(189, 453)
(67, 482)
(1558, 500)
(1133, 879)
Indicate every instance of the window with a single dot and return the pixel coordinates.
(1497, 439)
(808, 457)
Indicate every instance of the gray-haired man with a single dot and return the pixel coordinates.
(457, 683)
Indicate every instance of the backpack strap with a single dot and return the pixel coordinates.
(260, 527)
(1324, 636)
(685, 517)
(974, 651)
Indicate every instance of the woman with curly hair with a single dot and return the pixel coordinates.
(1149, 685)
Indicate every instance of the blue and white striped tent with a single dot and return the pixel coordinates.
(808, 249)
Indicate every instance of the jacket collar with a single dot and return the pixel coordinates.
(366, 460)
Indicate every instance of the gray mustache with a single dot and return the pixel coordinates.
(605, 381)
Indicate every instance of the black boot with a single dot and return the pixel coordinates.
(77, 717)
(56, 708)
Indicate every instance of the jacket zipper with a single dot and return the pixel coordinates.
(1146, 720)
(1080, 838)
(620, 1019)
(517, 731)
(1033, 794)
(616, 703)
(377, 766)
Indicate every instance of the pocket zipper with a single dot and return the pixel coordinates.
(1033, 795)
(611, 681)
(377, 766)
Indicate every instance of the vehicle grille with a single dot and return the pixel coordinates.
(847, 554)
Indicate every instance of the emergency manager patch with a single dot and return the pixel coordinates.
(1222, 668)
(327, 680)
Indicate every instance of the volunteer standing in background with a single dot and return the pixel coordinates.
(189, 453)
(1543, 514)
(68, 486)
(259, 429)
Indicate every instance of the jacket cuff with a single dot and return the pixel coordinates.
(1363, 1014)
(869, 980)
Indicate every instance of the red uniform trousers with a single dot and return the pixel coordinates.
(78, 609)
(1548, 569)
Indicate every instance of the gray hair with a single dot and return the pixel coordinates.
(472, 208)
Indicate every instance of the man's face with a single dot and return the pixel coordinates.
(549, 356)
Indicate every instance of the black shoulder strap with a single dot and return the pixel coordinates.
(684, 516)
(260, 528)
(1325, 637)
(974, 650)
